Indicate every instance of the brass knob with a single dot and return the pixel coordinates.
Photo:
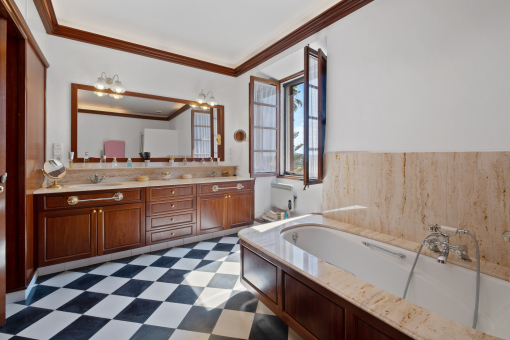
(93, 211)
(228, 195)
(100, 211)
(172, 234)
(172, 219)
(173, 192)
(173, 205)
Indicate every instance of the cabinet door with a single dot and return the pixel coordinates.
(67, 235)
(240, 209)
(120, 227)
(211, 213)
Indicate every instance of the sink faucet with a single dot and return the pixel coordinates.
(444, 247)
(96, 179)
(214, 173)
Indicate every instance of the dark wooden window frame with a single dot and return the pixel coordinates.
(252, 127)
(74, 123)
(322, 60)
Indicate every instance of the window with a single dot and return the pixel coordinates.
(264, 125)
(293, 128)
(201, 133)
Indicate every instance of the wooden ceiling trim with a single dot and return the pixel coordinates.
(120, 114)
(178, 112)
(323, 20)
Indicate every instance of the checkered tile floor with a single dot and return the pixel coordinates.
(190, 292)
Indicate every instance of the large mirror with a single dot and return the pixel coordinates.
(122, 126)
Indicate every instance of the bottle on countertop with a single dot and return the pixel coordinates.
(114, 162)
(86, 160)
(129, 163)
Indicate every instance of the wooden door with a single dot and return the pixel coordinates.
(3, 152)
(211, 213)
(240, 209)
(120, 227)
(67, 235)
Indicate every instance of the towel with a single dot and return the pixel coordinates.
(115, 148)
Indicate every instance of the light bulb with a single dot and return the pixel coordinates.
(204, 107)
(100, 94)
(201, 97)
(193, 105)
(212, 100)
(100, 84)
(117, 87)
(116, 96)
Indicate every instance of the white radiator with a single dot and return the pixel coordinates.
(282, 196)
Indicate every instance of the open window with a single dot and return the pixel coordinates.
(314, 115)
(264, 127)
(293, 128)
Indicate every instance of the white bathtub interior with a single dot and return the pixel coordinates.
(448, 290)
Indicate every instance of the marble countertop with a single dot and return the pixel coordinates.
(409, 318)
(135, 184)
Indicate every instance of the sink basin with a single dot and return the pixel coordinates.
(98, 185)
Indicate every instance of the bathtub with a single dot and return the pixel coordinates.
(447, 290)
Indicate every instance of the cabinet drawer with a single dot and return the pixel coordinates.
(164, 207)
(163, 221)
(224, 187)
(165, 193)
(167, 234)
(60, 201)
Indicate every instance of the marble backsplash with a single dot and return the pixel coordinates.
(124, 174)
(400, 194)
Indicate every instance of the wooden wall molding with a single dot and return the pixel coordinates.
(138, 116)
(323, 20)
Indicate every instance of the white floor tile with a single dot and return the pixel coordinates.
(186, 264)
(151, 274)
(63, 279)
(118, 330)
(177, 252)
(158, 291)
(13, 308)
(232, 240)
(192, 239)
(99, 259)
(20, 295)
(50, 325)
(239, 286)
(108, 285)
(141, 250)
(234, 324)
(5, 336)
(236, 249)
(293, 335)
(216, 255)
(262, 309)
(144, 260)
(107, 269)
(110, 306)
(77, 264)
(232, 268)
(213, 297)
(168, 315)
(57, 298)
(175, 243)
(198, 279)
(205, 245)
(121, 255)
(187, 335)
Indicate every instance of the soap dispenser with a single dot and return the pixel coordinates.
(129, 163)
(114, 162)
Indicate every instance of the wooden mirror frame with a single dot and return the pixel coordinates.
(74, 123)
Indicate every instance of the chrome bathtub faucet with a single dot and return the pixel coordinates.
(96, 179)
(444, 247)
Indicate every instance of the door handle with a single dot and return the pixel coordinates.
(3, 178)
(1, 189)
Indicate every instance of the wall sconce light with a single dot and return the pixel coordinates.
(104, 83)
(202, 99)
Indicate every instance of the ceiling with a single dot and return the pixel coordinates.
(126, 104)
(224, 32)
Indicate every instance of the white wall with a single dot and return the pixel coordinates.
(183, 123)
(75, 62)
(94, 130)
(29, 12)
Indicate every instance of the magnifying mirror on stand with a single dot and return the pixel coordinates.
(54, 170)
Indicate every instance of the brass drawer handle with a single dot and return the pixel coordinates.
(172, 234)
(73, 200)
(238, 187)
(173, 192)
(93, 211)
(172, 219)
(173, 205)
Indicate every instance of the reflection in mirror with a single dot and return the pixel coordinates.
(54, 170)
(240, 136)
(124, 127)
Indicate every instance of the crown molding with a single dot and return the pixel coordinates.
(323, 20)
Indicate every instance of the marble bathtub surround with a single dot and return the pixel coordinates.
(411, 319)
(79, 175)
(400, 194)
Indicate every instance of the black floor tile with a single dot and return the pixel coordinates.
(138, 311)
(185, 294)
(219, 337)
(23, 319)
(85, 282)
(126, 260)
(20, 338)
(189, 245)
(208, 266)
(223, 247)
(235, 257)
(268, 327)
(82, 303)
(242, 301)
(224, 281)
(133, 288)
(41, 279)
(128, 271)
(165, 262)
(82, 328)
(37, 293)
(87, 269)
(215, 240)
(200, 319)
(160, 252)
(153, 333)
(174, 276)
(196, 254)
